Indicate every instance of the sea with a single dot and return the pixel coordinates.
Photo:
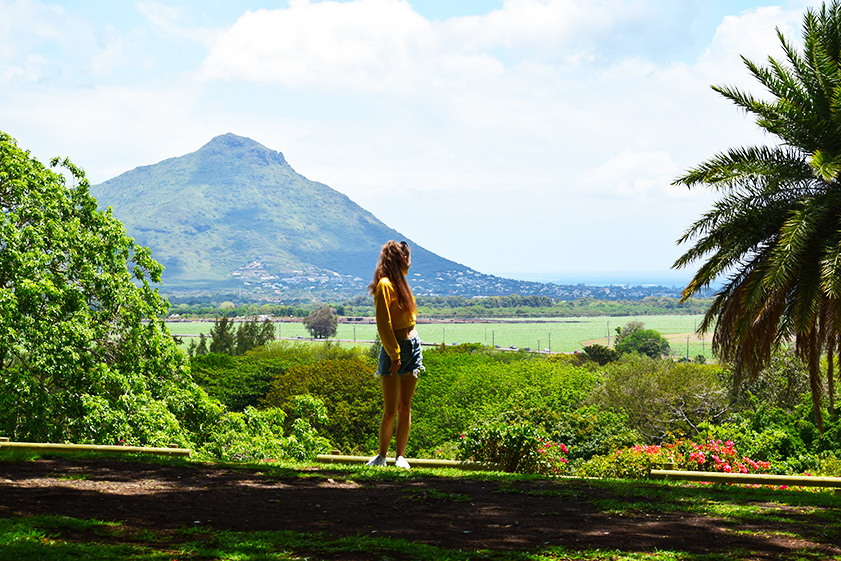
(669, 279)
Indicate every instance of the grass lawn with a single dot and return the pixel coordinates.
(558, 335)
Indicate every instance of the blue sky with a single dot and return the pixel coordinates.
(525, 138)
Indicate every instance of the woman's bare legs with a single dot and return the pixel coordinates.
(397, 397)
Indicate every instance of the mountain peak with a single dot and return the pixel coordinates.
(234, 213)
(242, 148)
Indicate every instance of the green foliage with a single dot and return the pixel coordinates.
(661, 397)
(644, 341)
(254, 435)
(238, 382)
(827, 464)
(322, 323)
(630, 327)
(464, 387)
(222, 336)
(630, 464)
(224, 340)
(514, 446)
(589, 431)
(601, 354)
(84, 353)
(242, 381)
(780, 384)
(251, 334)
(349, 390)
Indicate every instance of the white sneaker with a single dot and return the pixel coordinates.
(377, 460)
(402, 463)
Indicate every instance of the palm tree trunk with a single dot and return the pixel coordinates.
(815, 377)
(830, 378)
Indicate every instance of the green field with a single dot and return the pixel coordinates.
(558, 335)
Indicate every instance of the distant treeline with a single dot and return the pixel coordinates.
(448, 306)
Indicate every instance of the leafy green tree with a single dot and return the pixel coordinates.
(630, 327)
(322, 323)
(85, 355)
(645, 341)
(252, 334)
(776, 230)
(199, 349)
(662, 397)
(601, 354)
(222, 335)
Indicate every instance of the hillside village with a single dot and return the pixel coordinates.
(264, 284)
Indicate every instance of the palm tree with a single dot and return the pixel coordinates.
(775, 233)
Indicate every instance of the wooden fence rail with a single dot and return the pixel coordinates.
(48, 447)
(748, 478)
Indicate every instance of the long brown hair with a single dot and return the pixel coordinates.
(394, 256)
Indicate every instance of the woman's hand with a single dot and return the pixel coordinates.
(395, 366)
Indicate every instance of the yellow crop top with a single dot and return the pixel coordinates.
(390, 316)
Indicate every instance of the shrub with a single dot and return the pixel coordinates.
(638, 461)
(461, 389)
(660, 398)
(243, 381)
(631, 464)
(255, 435)
(589, 431)
(827, 464)
(237, 381)
(515, 447)
(349, 390)
(781, 384)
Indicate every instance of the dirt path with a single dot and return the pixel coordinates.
(450, 513)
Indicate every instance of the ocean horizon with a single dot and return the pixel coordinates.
(669, 279)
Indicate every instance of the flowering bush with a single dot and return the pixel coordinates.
(638, 461)
(515, 447)
(716, 456)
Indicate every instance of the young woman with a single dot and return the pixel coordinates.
(400, 359)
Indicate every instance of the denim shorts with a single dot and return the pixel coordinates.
(411, 358)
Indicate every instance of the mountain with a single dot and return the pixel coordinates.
(235, 214)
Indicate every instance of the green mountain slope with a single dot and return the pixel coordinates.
(234, 213)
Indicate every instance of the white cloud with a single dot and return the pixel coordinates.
(366, 44)
(631, 173)
(751, 34)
